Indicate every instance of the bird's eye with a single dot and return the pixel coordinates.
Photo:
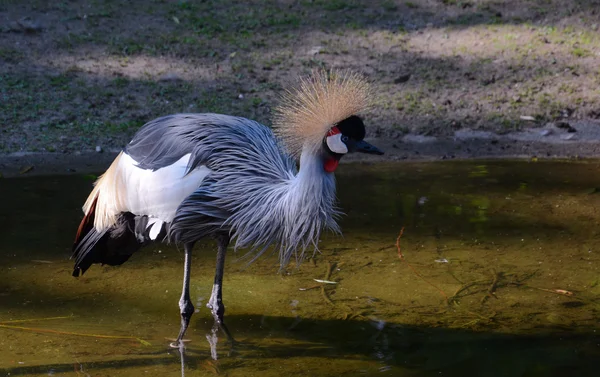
(344, 138)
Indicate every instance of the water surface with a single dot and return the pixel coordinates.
(500, 278)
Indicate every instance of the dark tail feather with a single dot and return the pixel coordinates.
(86, 224)
(112, 246)
(88, 250)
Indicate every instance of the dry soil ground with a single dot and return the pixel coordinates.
(452, 78)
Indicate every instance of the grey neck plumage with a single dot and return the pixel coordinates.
(291, 212)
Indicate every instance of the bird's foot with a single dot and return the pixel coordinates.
(215, 303)
(177, 343)
(187, 310)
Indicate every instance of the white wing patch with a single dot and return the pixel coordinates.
(127, 188)
(158, 193)
(156, 226)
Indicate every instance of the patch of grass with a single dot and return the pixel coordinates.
(389, 5)
(60, 81)
(72, 40)
(125, 126)
(566, 89)
(206, 25)
(11, 55)
(333, 5)
(411, 102)
(257, 101)
(126, 46)
(550, 106)
(187, 5)
(581, 52)
(468, 19)
(121, 82)
(217, 102)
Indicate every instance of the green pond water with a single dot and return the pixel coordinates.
(500, 277)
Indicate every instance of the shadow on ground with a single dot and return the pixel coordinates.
(86, 73)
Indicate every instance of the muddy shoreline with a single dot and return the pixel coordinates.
(463, 145)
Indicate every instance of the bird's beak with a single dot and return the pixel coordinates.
(364, 147)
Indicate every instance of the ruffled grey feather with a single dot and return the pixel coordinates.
(254, 191)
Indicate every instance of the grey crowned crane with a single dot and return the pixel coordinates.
(184, 177)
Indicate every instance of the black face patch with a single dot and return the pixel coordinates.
(353, 127)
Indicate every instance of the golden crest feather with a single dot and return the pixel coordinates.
(320, 101)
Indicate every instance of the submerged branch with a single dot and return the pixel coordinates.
(33, 329)
(34, 319)
(491, 290)
(330, 267)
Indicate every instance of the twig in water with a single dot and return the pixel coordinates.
(460, 290)
(493, 286)
(401, 256)
(34, 319)
(558, 291)
(326, 277)
(311, 287)
(562, 292)
(386, 247)
(491, 290)
(325, 296)
(75, 333)
(325, 281)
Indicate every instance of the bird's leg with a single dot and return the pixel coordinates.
(216, 298)
(185, 303)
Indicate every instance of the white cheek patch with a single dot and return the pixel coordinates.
(336, 145)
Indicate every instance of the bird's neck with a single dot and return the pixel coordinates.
(313, 189)
(315, 183)
(307, 206)
(312, 168)
(291, 212)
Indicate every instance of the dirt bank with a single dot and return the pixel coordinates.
(581, 140)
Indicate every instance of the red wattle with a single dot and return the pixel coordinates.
(330, 165)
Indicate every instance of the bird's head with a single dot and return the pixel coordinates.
(319, 117)
(345, 137)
